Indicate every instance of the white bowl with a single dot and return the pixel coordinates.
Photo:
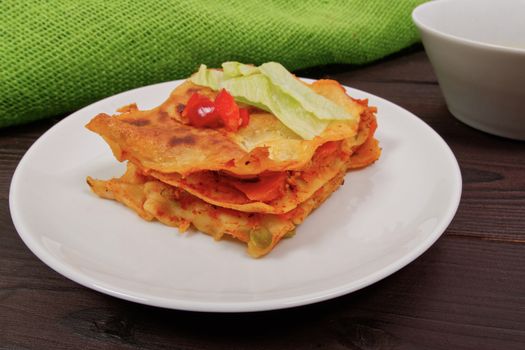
(477, 49)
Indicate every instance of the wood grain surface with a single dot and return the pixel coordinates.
(466, 292)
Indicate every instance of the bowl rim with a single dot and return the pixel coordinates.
(455, 38)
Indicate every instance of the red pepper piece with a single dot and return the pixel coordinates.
(228, 110)
(205, 113)
(201, 112)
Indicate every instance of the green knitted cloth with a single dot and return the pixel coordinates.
(57, 56)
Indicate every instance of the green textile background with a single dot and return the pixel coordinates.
(57, 56)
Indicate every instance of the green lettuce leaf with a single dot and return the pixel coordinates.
(257, 90)
(319, 105)
(272, 88)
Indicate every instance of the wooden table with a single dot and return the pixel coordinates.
(466, 292)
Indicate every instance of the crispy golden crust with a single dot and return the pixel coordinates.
(159, 140)
(164, 143)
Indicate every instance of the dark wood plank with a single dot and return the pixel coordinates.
(466, 292)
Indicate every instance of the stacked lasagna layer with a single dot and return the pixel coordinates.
(255, 184)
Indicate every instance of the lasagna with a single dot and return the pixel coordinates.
(231, 159)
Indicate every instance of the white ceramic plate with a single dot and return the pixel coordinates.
(383, 217)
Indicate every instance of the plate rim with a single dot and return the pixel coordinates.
(243, 306)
